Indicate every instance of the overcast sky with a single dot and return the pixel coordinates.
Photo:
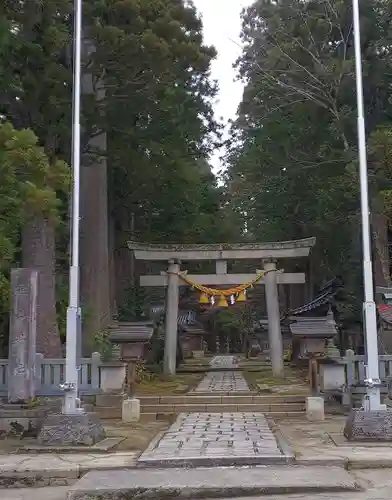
(222, 26)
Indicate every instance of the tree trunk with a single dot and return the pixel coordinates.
(94, 252)
(381, 251)
(112, 268)
(124, 260)
(38, 252)
(94, 226)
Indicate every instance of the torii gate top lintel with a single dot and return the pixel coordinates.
(223, 251)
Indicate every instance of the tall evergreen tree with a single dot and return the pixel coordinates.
(292, 167)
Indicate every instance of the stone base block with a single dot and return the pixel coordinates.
(70, 430)
(113, 375)
(362, 425)
(21, 420)
(315, 409)
(130, 410)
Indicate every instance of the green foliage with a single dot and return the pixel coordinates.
(143, 374)
(156, 110)
(234, 324)
(134, 306)
(292, 162)
(160, 121)
(33, 403)
(103, 345)
(28, 187)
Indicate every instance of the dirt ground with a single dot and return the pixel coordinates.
(262, 380)
(178, 384)
(136, 436)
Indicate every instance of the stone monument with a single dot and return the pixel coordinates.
(17, 418)
(23, 332)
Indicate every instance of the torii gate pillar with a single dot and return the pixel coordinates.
(172, 298)
(273, 313)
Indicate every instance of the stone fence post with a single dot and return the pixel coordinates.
(38, 371)
(350, 367)
(95, 370)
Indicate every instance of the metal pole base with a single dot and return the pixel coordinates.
(71, 430)
(71, 404)
(368, 425)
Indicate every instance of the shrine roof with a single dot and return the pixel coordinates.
(221, 251)
(324, 296)
(193, 329)
(131, 331)
(314, 327)
(322, 299)
(184, 317)
(385, 312)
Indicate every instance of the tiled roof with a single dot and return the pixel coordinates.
(324, 296)
(314, 327)
(184, 317)
(193, 329)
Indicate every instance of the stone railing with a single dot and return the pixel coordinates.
(355, 373)
(50, 373)
(346, 375)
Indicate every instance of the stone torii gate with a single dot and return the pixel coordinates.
(266, 253)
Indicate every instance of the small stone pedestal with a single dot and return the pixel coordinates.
(363, 425)
(130, 410)
(70, 430)
(113, 375)
(315, 409)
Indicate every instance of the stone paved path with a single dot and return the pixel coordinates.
(226, 361)
(215, 438)
(223, 382)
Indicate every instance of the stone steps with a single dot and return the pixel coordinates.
(108, 406)
(218, 399)
(222, 408)
(204, 399)
(113, 413)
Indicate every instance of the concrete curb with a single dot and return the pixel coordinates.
(283, 445)
(345, 462)
(197, 462)
(322, 462)
(25, 477)
(38, 478)
(225, 482)
(63, 473)
(369, 463)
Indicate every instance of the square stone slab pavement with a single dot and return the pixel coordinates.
(223, 382)
(206, 439)
(224, 362)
